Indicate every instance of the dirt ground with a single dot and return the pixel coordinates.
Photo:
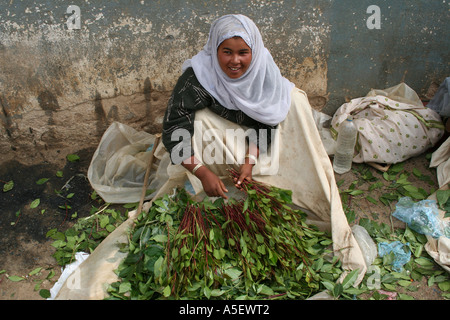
(25, 247)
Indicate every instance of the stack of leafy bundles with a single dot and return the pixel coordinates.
(257, 247)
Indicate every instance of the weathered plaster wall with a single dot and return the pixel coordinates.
(60, 88)
(412, 45)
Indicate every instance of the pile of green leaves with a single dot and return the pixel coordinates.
(181, 248)
(384, 190)
(85, 235)
(247, 249)
(387, 189)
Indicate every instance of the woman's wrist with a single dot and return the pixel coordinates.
(202, 172)
(250, 159)
(198, 166)
(190, 163)
(195, 166)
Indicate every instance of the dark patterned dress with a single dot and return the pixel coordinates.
(189, 96)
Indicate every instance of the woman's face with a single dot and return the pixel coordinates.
(234, 57)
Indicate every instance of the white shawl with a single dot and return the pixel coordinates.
(262, 92)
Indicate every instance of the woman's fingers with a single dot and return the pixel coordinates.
(213, 186)
(245, 173)
(222, 189)
(217, 190)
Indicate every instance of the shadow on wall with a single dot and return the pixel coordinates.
(54, 131)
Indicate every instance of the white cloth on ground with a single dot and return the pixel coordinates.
(303, 167)
(439, 248)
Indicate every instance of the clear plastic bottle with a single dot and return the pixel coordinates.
(345, 147)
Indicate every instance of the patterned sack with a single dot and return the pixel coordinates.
(389, 131)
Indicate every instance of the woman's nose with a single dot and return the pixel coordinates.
(235, 59)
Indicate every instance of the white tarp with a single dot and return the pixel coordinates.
(439, 248)
(301, 165)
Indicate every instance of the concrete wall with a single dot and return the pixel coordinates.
(412, 45)
(61, 87)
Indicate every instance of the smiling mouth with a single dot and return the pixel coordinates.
(234, 69)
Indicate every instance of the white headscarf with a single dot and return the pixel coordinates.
(261, 92)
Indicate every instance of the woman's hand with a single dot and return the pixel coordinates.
(213, 186)
(245, 173)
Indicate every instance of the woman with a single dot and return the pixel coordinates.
(235, 77)
(234, 83)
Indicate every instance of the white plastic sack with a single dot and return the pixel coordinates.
(390, 131)
(401, 93)
(118, 166)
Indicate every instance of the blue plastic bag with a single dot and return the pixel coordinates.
(401, 251)
(422, 216)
